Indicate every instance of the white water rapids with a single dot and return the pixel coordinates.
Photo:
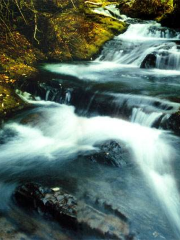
(63, 133)
(143, 41)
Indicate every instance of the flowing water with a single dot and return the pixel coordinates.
(125, 94)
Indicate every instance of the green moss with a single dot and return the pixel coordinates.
(76, 35)
(9, 102)
(65, 32)
(146, 9)
(18, 58)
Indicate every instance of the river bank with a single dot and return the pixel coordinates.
(62, 32)
(65, 31)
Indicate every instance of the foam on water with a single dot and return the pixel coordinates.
(140, 40)
(63, 134)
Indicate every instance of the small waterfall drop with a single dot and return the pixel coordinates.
(68, 96)
(151, 46)
(65, 134)
(73, 134)
(145, 119)
(155, 160)
(145, 45)
(149, 31)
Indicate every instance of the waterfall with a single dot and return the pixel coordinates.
(145, 119)
(68, 96)
(149, 31)
(155, 160)
(145, 45)
(63, 133)
(131, 79)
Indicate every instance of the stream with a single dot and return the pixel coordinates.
(124, 95)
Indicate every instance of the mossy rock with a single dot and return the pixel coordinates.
(67, 30)
(145, 9)
(74, 35)
(172, 18)
(18, 58)
(9, 102)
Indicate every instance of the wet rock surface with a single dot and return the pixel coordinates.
(111, 153)
(72, 213)
(86, 100)
(64, 30)
(172, 123)
(29, 229)
(149, 61)
(33, 119)
(60, 205)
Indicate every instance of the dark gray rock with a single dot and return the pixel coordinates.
(172, 123)
(60, 205)
(149, 61)
(110, 153)
(72, 213)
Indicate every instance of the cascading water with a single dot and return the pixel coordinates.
(154, 162)
(143, 118)
(142, 46)
(121, 83)
(154, 155)
(145, 45)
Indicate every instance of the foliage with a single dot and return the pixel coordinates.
(146, 9)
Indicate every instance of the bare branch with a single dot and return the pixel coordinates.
(17, 4)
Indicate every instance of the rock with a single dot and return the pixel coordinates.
(78, 35)
(33, 119)
(149, 61)
(162, 58)
(72, 213)
(145, 9)
(172, 123)
(60, 205)
(110, 153)
(172, 18)
(9, 102)
(58, 30)
(9, 231)
(86, 101)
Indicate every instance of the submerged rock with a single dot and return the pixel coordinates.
(72, 213)
(33, 119)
